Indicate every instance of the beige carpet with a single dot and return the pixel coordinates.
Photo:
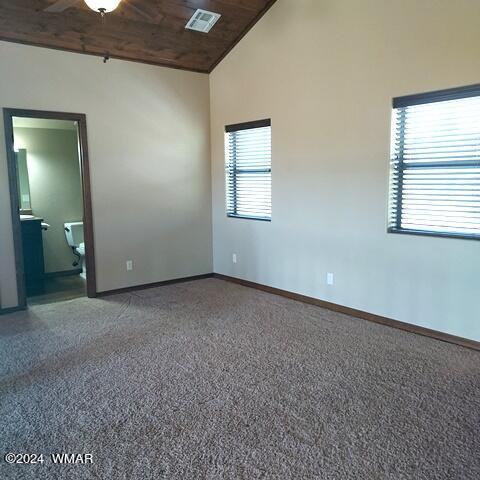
(210, 380)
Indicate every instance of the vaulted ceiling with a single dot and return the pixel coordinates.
(149, 31)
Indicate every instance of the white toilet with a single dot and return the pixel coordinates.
(74, 235)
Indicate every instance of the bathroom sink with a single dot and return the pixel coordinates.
(27, 217)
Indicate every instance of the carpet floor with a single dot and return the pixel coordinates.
(212, 380)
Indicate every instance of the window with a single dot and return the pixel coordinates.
(435, 164)
(248, 159)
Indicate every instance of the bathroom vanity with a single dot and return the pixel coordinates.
(33, 262)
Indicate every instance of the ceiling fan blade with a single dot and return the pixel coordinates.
(61, 5)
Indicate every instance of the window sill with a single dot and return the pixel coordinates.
(246, 217)
(425, 233)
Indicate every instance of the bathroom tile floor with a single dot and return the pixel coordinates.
(58, 289)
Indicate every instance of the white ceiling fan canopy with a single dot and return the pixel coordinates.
(103, 5)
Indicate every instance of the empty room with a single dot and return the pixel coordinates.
(239, 239)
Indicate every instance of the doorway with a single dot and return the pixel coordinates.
(49, 179)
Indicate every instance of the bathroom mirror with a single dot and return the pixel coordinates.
(23, 183)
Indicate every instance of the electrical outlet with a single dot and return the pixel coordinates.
(129, 265)
(234, 258)
(329, 278)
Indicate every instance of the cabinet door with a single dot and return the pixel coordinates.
(33, 262)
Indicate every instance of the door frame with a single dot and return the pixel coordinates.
(81, 119)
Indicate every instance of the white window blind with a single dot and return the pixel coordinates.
(248, 153)
(435, 164)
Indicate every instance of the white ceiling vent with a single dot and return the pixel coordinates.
(203, 21)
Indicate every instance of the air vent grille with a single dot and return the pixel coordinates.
(202, 21)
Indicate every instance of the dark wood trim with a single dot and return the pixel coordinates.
(87, 208)
(100, 56)
(371, 317)
(81, 119)
(236, 127)
(15, 210)
(245, 31)
(155, 284)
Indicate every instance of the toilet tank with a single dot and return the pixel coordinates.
(74, 233)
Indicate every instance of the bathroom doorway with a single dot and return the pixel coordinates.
(51, 205)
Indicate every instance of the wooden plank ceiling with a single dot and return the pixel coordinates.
(149, 31)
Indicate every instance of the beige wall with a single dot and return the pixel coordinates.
(148, 133)
(325, 72)
(55, 188)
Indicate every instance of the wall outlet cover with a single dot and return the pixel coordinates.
(129, 265)
(329, 278)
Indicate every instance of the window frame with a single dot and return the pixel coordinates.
(234, 128)
(421, 99)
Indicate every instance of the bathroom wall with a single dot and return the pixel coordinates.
(325, 72)
(148, 133)
(55, 187)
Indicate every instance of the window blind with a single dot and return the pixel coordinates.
(248, 154)
(435, 164)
